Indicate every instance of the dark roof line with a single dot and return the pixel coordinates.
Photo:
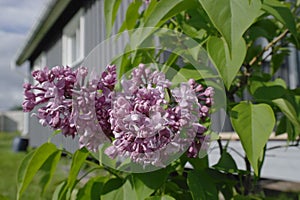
(51, 14)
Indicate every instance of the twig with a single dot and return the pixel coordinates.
(235, 151)
(247, 183)
(231, 149)
(282, 35)
(283, 146)
(89, 171)
(220, 146)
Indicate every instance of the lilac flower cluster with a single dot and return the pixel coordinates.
(53, 93)
(148, 121)
(148, 128)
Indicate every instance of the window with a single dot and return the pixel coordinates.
(73, 40)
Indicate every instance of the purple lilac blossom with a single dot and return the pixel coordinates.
(147, 128)
(91, 107)
(53, 95)
(205, 101)
(69, 109)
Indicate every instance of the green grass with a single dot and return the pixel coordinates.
(9, 164)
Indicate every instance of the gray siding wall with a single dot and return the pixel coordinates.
(94, 25)
(94, 33)
(54, 54)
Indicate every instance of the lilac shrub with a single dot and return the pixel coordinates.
(149, 120)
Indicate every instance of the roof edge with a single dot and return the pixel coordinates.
(51, 14)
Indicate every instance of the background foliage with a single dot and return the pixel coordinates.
(258, 102)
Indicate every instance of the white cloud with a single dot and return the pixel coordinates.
(16, 19)
(18, 16)
(10, 81)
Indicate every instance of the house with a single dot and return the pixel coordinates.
(11, 121)
(69, 30)
(64, 35)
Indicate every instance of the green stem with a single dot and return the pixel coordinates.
(220, 146)
(112, 172)
(247, 183)
(272, 43)
(87, 173)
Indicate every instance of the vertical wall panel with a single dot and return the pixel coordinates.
(54, 54)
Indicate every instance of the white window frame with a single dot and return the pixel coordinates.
(75, 26)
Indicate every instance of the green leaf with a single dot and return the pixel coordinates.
(199, 163)
(92, 189)
(49, 168)
(282, 126)
(132, 14)
(268, 90)
(285, 126)
(154, 179)
(135, 187)
(278, 59)
(232, 18)
(263, 28)
(112, 184)
(141, 190)
(288, 110)
(227, 65)
(164, 10)
(123, 192)
(282, 13)
(163, 197)
(110, 11)
(253, 124)
(187, 72)
(78, 160)
(201, 185)
(157, 14)
(31, 164)
(58, 190)
(226, 163)
(22, 171)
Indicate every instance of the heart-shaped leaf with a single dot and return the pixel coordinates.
(227, 65)
(253, 124)
(226, 17)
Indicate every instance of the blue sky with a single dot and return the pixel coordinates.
(17, 17)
